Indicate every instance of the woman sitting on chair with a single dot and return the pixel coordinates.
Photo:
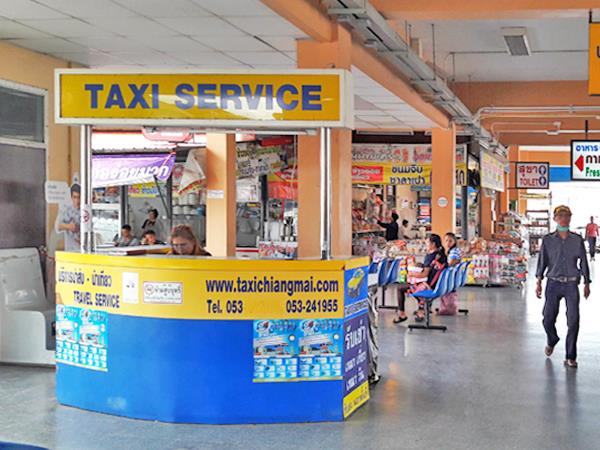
(426, 278)
(448, 301)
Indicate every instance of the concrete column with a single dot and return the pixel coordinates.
(325, 55)
(221, 194)
(443, 180)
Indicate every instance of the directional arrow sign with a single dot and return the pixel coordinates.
(585, 160)
(579, 163)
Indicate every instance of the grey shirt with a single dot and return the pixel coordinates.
(563, 257)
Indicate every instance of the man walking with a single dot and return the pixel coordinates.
(562, 255)
(591, 233)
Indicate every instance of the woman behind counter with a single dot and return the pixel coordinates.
(183, 242)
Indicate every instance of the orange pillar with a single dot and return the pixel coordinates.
(513, 157)
(443, 181)
(502, 206)
(315, 55)
(486, 216)
(221, 194)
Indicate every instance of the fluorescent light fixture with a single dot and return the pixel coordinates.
(516, 41)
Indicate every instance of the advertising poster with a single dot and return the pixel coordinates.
(275, 350)
(356, 294)
(356, 363)
(492, 172)
(356, 344)
(81, 337)
(320, 343)
(297, 350)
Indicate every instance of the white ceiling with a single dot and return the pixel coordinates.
(376, 107)
(181, 33)
(559, 48)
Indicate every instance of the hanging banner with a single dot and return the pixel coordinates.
(594, 59)
(492, 172)
(387, 173)
(232, 99)
(532, 175)
(121, 170)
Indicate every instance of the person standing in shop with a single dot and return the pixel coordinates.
(563, 261)
(69, 221)
(391, 228)
(591, 234)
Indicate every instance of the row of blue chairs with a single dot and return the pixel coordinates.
(450, 280)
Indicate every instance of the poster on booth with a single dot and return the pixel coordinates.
(585, 160)
(297, 350)
(81, 337)
(492, 172)
(356, 344)
(532, 175)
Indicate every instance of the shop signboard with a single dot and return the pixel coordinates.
(492, 172)
(230, 99)
(122, 170)
(143, 190)
(585, 160)
(390, 173)
(401, 155)
(532, 175)
(594, 59)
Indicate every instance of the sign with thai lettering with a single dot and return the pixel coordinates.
(121, 170)
(232, 99)
(532, 175)
(492, 172)
(585, 160)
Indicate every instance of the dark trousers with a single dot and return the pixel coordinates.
(556, 291)
(592, 244)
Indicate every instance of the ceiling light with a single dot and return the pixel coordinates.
(516, 41)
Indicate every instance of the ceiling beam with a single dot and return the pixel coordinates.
(306, 16)
(524, 93)
(479, 9)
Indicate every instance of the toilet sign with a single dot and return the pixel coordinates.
(533, 175)
(585, 160)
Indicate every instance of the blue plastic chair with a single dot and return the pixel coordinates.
(383, 273)
(374, 266)
(428, 296)
(393, 276)
(465, 273)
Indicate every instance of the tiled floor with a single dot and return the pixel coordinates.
(484, 384)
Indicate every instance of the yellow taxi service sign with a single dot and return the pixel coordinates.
(299, 98)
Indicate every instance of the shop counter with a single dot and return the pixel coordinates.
(208, 340)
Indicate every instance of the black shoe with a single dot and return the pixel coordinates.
(400, 319)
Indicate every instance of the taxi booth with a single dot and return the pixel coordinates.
(210, 340)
